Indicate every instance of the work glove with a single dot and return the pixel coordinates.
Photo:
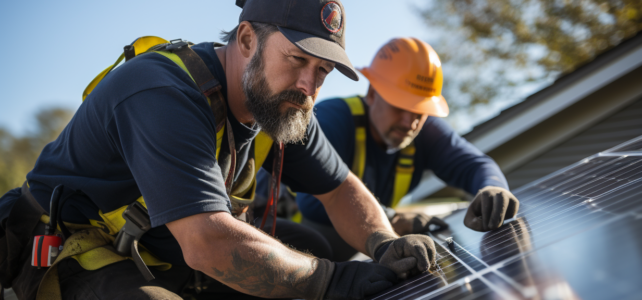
(406, 256)
(410, 222)
(489, 209)
(356, 280)
(515, 239)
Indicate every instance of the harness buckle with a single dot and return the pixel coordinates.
(136, 224)
(176, 44)
(126, 244)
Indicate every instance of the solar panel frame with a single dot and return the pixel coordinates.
(598, 198)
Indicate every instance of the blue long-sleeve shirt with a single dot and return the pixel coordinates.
(438, 148)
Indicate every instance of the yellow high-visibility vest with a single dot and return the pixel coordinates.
(111, 222)
(405, 162)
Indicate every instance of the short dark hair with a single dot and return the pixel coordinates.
(262, 30)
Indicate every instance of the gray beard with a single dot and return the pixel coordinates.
(287, 127)
(404, 143)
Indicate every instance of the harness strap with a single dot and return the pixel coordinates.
(405, 161)
(211, 88)
(360, 123)
(206, 82)
(140, 45)
(275, 187)
(92, 246)
(89, 243)
(79, 242)
(405, 168)
(229, 179)
(136, 217)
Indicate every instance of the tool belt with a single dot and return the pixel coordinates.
(90, 246)
(16, 235)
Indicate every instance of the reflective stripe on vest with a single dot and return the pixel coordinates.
(405, 162)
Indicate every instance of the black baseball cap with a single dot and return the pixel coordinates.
(317, 27)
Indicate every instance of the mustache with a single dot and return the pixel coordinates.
(402, 129)
(296, 97)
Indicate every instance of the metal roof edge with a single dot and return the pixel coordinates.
(481, 133)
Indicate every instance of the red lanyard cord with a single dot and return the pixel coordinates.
(275, 187)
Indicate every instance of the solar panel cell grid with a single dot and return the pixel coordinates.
(576, 236)
(634, 145)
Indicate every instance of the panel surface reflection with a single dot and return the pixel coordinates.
(577, 236)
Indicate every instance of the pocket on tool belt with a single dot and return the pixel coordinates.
(16, 235)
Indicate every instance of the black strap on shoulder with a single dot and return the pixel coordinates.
(207, 83)
(211, 88)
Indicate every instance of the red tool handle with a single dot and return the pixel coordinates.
(45, 250)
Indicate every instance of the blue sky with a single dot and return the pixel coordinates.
(52, 49)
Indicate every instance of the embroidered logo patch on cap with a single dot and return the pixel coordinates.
(331, 17)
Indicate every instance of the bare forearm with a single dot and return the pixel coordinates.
(248, 260)
(354, 212)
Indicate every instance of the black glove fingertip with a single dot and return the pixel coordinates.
(377, 287)
(388, 274)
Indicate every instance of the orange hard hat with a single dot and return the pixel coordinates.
(406, 72)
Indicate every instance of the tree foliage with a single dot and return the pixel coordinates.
(18, 154)
(493, 48)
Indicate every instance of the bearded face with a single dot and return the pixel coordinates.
(281, 122)
(395, 127)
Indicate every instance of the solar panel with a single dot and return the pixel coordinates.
(578, 235)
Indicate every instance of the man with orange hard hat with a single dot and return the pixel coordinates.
(395, 133)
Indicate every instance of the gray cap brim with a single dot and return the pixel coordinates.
(323, 49)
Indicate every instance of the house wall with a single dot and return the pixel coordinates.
(589, 110)
(617, 128)
(603, 119)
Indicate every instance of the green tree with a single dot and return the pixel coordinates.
(493, 49)
(18, 154)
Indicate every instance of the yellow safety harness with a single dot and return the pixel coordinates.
(405, 162)
(91, 245)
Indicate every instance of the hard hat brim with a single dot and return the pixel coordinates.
(433, 105)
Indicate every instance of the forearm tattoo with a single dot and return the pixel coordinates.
(266, 276)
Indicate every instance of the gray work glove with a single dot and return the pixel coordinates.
(406, 256)
(356, 280)
(410, 222)
(490, 208)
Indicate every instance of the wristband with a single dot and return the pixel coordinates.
(320, 279)
(377, 241)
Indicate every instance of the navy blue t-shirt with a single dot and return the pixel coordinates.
(438, 148)
(147, 130)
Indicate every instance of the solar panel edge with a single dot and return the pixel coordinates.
(599, 192)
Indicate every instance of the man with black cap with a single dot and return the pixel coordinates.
(149, 143)
(395, 133)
